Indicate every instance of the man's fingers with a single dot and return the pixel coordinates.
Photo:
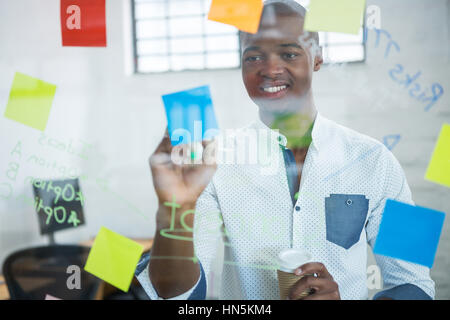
(195, 154)
(188, 158)
(306, 283)
(313, 268)
(165, 146)
(159, 160)
(334, 295)
(192, 165)
(210, 150)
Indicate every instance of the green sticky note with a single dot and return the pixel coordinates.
(113, 258)
(30, 101)
(439, 166)
(335, 16)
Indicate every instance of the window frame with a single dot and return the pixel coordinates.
(363, 44)
(203, 35)
(136, 56)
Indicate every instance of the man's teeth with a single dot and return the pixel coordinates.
(274, 89)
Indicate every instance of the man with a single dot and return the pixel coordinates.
(331, 188)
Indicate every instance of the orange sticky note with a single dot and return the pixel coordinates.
(243, 14)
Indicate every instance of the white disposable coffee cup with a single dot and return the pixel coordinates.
(288, 261)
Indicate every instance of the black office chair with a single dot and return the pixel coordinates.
(33, 273)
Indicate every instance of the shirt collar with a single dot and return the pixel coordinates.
(318, 132)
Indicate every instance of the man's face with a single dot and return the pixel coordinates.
(276, 67)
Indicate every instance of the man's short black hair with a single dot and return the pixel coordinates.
(291, 6)
(284, 8)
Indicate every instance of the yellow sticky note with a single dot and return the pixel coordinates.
(30, 101)
(439, 166)
(113, 258)
(335, 16)
(243, 14)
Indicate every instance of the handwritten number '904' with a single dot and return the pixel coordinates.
(73, 219)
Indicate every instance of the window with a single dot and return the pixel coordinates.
(340, 47)
(175, 35)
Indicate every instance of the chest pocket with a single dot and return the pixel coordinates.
(345, 217)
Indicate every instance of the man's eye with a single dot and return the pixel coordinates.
(253, 58)
(290, 55)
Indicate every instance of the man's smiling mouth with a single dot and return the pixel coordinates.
(274, 91)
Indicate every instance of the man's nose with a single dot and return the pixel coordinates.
(272, 68)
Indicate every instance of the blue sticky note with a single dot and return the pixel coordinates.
(409, 233)
(190, 115)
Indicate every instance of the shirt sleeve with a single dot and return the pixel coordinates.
(401, 279)
(207, 224)
(208, 232)
(143, 277)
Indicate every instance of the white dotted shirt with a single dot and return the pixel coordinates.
(346, 179)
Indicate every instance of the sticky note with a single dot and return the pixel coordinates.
(335, 16)
(243, 14)
(30, 101)
(113, 258)
(409, 233)
(50, 297)
(439, 167)
(190, 115)
(83, 23)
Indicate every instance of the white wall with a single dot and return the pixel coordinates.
(365, 98)
(122, 115)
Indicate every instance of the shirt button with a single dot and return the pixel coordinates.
(297, 208)
(349, 202)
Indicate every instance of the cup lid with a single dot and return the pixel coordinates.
(291, 259)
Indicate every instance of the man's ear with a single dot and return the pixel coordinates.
(318, 59)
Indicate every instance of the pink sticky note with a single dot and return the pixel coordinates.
(50, 297)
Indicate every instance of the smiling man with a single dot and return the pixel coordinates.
(327, 197)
